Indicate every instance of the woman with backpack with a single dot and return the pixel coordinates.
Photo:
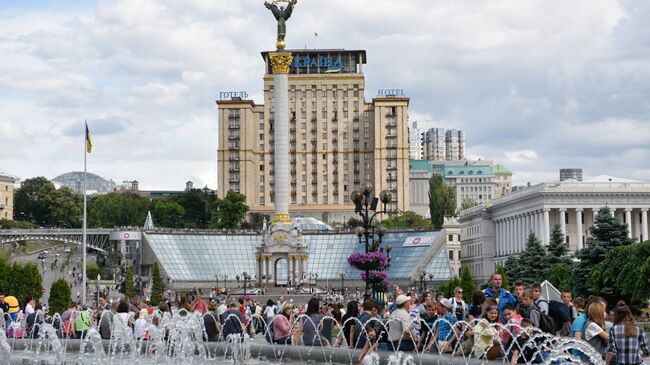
(282, 325)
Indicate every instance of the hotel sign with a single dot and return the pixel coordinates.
(326, 62)
(223, 95)
(390, 92)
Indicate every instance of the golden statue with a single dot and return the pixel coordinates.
(281, 14)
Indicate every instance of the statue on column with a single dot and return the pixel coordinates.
(281, 14)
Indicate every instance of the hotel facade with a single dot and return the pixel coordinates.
(338, 140)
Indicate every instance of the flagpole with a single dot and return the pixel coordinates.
(83, 270)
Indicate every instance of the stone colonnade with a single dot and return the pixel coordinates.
(511, 232)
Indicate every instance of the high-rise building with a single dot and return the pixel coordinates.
(455, 145)
(416, 142)
(7, 196)
(338, 140)
(444, 144)
(571, 174)
(435, 147)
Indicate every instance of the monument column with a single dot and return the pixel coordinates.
(563, 223)
(578, 229)
(280, 62)
(546, 224)
(628, 221)
(644, 224)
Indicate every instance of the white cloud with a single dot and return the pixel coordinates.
(538, 84)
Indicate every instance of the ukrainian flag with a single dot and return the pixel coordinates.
(89, 143)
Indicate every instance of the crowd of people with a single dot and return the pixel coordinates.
(496, 324)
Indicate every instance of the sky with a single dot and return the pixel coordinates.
(537, 85)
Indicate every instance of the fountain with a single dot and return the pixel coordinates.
(181, 339)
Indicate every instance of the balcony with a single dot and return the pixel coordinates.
(233, 146)
(391, 177)
(292, 129)
(233, 179)
(391, 124)
(391, 168)
(391, 146)
(233, 117)
(314, 128)
(233, 136)
(233, 125)
(233, 169)
(233, 158)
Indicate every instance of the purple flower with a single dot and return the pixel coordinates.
(375, 276)
(378, 258)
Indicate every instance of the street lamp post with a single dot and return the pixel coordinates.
(217, 287)
(342, 275)
(370, 234)
(245, 277)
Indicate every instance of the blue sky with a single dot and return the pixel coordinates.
(537, 85)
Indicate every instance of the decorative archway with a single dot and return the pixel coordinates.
(281, 271)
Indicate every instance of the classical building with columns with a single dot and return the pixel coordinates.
(493, 231)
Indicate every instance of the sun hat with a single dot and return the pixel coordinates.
(445, 302)
(401, 299)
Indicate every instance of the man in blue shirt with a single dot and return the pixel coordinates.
(502, 296)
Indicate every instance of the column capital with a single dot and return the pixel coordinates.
(546, 209)
(644, 210)
(562, 210)
(579, 209)
(280, 62)
(628, 209)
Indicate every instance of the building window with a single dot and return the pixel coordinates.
(450, 238)
(451, 254)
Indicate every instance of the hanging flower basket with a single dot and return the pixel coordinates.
(374, 277)
(368, 261)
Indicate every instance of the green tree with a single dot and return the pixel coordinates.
(33, 201)
(92, 270)
(468, 285)
(505, 283)
(442, 201)
(60, 296)
(533, 262)
(407, 219)
(513, 267)
(197, 205)
(606, 233)
(229, 212)
(557, 248)
(156, 285)
(560, 275)
(257, 220)
(354, 222)
(623, 274)
(11, 224)
(117, 209)
(6, 275)
(26, 280)
(129, 284)
(468, 203)
(66, 208)
(448, 288)
(167, 213)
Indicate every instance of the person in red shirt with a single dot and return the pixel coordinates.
(242, 310)
(199, 305)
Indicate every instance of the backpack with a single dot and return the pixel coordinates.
(559, 312)
(546, 323)
(269, 335)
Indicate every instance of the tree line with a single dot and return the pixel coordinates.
(38, 203)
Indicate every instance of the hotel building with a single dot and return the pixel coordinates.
(338, 140)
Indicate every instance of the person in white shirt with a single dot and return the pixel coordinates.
(140, 325)
(29, 305)
(458, 306)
